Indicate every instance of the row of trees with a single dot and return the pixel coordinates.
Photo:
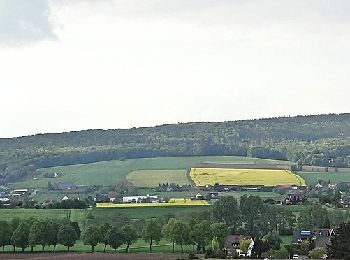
(33, 232)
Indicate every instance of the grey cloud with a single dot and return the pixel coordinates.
(25, 21)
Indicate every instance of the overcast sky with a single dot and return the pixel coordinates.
(81, 64)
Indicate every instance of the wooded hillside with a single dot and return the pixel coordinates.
(322, 140)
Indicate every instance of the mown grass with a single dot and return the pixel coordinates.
(312, 178)
(152, 178)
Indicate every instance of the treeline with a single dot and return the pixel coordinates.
(310, 140)
(33, 232)
(204, 232)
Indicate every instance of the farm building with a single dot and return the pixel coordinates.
(64, 186)
(141, 199)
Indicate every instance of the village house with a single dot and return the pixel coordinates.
(320, 237)
(232, 244)
(64, 186)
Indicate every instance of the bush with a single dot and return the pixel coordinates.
(192, 256)
(317, 253)
(220, 254)
(209, 253)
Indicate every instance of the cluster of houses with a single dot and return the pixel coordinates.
(320, 237)
(7, 195)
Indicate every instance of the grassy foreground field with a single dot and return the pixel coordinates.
(109, 172)
(226, 176)
(151, 178)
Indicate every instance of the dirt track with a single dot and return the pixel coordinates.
(75, 256)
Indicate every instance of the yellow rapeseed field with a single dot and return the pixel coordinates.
(172, 202)
(244, 177)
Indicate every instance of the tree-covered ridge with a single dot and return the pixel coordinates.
(315, 140)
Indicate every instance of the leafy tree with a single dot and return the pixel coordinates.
(226, 210)
(244, 245)
(304, 247)
(52, 234)
(92, 236)
(151, 232)
(215, 244)
(67, 235)
(220, 231)
(20, 237)
(39, 232)
(340, 246)
(104, 230)
(201, 234)
(115, 238)
(317, 253)
(168, 231)
(130, 236)
(181, 233)
(5, 234)
(273, 240)
(253, 215)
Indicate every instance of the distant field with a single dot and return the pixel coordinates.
(109, 172)
(151, 178)
(312, 178)
(172, 203)
(242, 177)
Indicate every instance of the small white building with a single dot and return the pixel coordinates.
(140, 199)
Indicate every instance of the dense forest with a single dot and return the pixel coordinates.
(322, 140)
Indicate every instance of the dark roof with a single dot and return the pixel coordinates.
(321, 236)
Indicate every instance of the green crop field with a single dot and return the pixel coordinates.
(312, 178)
(151, 178)
(109, 172)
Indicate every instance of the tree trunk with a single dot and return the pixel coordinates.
(3, 248)
(104, 250)
(14, 248)
(150, 246)
(68, 248)
(54, 248)
(115, 250)
(173, 247)
(182, 249)
(93, 249)
(31, 248)
(43, 248)
(23, 249)
(127, 248)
